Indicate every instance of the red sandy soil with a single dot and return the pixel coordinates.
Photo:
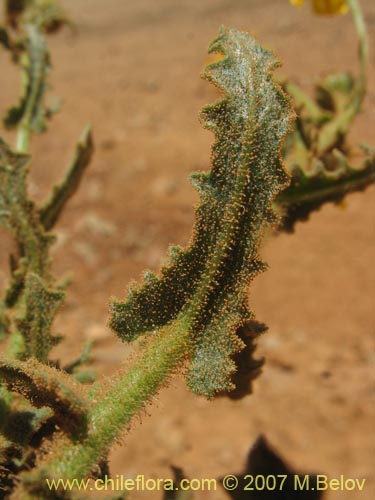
(132, 70)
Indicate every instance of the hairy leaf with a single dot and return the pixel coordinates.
(18, 213)
(41, 306)
(23, 423)
(47, 386)
(316, 152)
(247, 367)
(204, 287)
(48, 15)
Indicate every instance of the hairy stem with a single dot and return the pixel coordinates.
(124, 398)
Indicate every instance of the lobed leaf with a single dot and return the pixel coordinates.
(47, 386)
(18, 213)
(40, 307)
(204, 287)
(54, 205)
(32, 288)
(316, 152)
(310, 189)
(247, 367)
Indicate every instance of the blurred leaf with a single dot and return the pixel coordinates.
(35, 63)
(54, 205)
(325, 182)
(40, 308)
(4, 38)
(46, 15)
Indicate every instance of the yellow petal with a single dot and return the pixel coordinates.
(325, 7)
(296, 2)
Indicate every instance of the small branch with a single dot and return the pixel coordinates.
(341, 124)
(22, 220)
(114, 406)
(41, 303)
(195, 308)
(84, 357)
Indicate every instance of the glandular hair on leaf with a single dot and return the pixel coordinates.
(205, 286)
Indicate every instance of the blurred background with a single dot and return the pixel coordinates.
(131, 69)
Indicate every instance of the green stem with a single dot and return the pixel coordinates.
(114, 409)
(341, 124)
(363, 47)
(23, 137)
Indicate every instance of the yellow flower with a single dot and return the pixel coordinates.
(326, 6)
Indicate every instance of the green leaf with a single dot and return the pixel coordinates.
(247, 367)
(40, 308)
(14, 9)
(325, 182)
(17, 212)
(204, 288)
(31, 112)
(32, 287)
(54, 205)
(48, 15)
(47, 386)
(22, 423)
